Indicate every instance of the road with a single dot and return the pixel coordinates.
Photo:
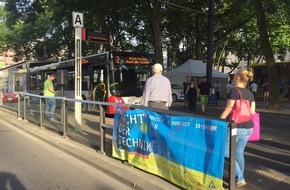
(273, 150)
(29, 163)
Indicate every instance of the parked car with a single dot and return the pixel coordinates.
(177, 92)
(10, 97)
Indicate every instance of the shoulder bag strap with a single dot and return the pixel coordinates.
(240, 93)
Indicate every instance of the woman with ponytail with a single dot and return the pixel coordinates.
(245, 128)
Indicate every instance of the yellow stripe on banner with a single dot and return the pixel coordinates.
(177, 174)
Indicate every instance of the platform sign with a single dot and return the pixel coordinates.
(78, 19)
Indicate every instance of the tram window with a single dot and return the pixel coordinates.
(98, 76)
(85, 82)
(20, 82)
(70, 83)
(33, 82)
(36, 81)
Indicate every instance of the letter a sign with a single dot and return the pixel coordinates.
(78, 19)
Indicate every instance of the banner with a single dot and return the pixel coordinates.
(187, 151)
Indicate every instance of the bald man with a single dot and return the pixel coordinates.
(157, 91)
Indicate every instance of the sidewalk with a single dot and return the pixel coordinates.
(258, 177)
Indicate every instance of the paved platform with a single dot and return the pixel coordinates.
(258, 177)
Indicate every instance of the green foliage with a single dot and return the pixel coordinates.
(279, 27)
(4, 30)
(42, 29)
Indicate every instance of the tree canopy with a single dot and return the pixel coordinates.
(43, 29)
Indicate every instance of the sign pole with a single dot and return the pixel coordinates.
(78, 24)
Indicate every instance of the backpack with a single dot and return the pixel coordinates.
(241, 112)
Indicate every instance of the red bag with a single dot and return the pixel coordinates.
(241, 112)
(255, 136)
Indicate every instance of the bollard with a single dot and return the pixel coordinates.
(232, 167)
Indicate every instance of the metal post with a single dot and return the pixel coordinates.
(1, 100)
(62, 90)
(78, 78)
(19, 108)
(78, 24)
(62, 108)
(64, 117)
(102, 129)
(232, 166)
(61, 112)
(41, 112)
(24, 107)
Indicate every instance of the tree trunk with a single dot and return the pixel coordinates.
(266, 49)
(157, 42)
(153, 12)
(197, 35)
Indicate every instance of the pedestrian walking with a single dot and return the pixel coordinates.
(229, 87)
(185, 86)
(282, 85)
(245, 128)
(49, 91)
(254, 88)
(217, 87)
(157, 91)
(266, 91)
(191, 93)
(203, 91)
(288, 92)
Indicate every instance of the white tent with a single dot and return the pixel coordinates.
(196, 69)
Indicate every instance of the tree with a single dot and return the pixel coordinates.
(4, 47)
(152, 8)
(145, 26)
(266, 49)
(185, 27)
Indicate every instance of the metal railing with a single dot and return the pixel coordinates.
(26, 102)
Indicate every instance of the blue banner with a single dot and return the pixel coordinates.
(189, 151)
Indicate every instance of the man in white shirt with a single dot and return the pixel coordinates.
(229, 87)
(254, 88)
(157, 91)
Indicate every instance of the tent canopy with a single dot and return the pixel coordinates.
(195, 69)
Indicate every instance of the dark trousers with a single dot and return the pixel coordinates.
(254, 93)
(217, 95)
(192, 102)
(159, 105)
